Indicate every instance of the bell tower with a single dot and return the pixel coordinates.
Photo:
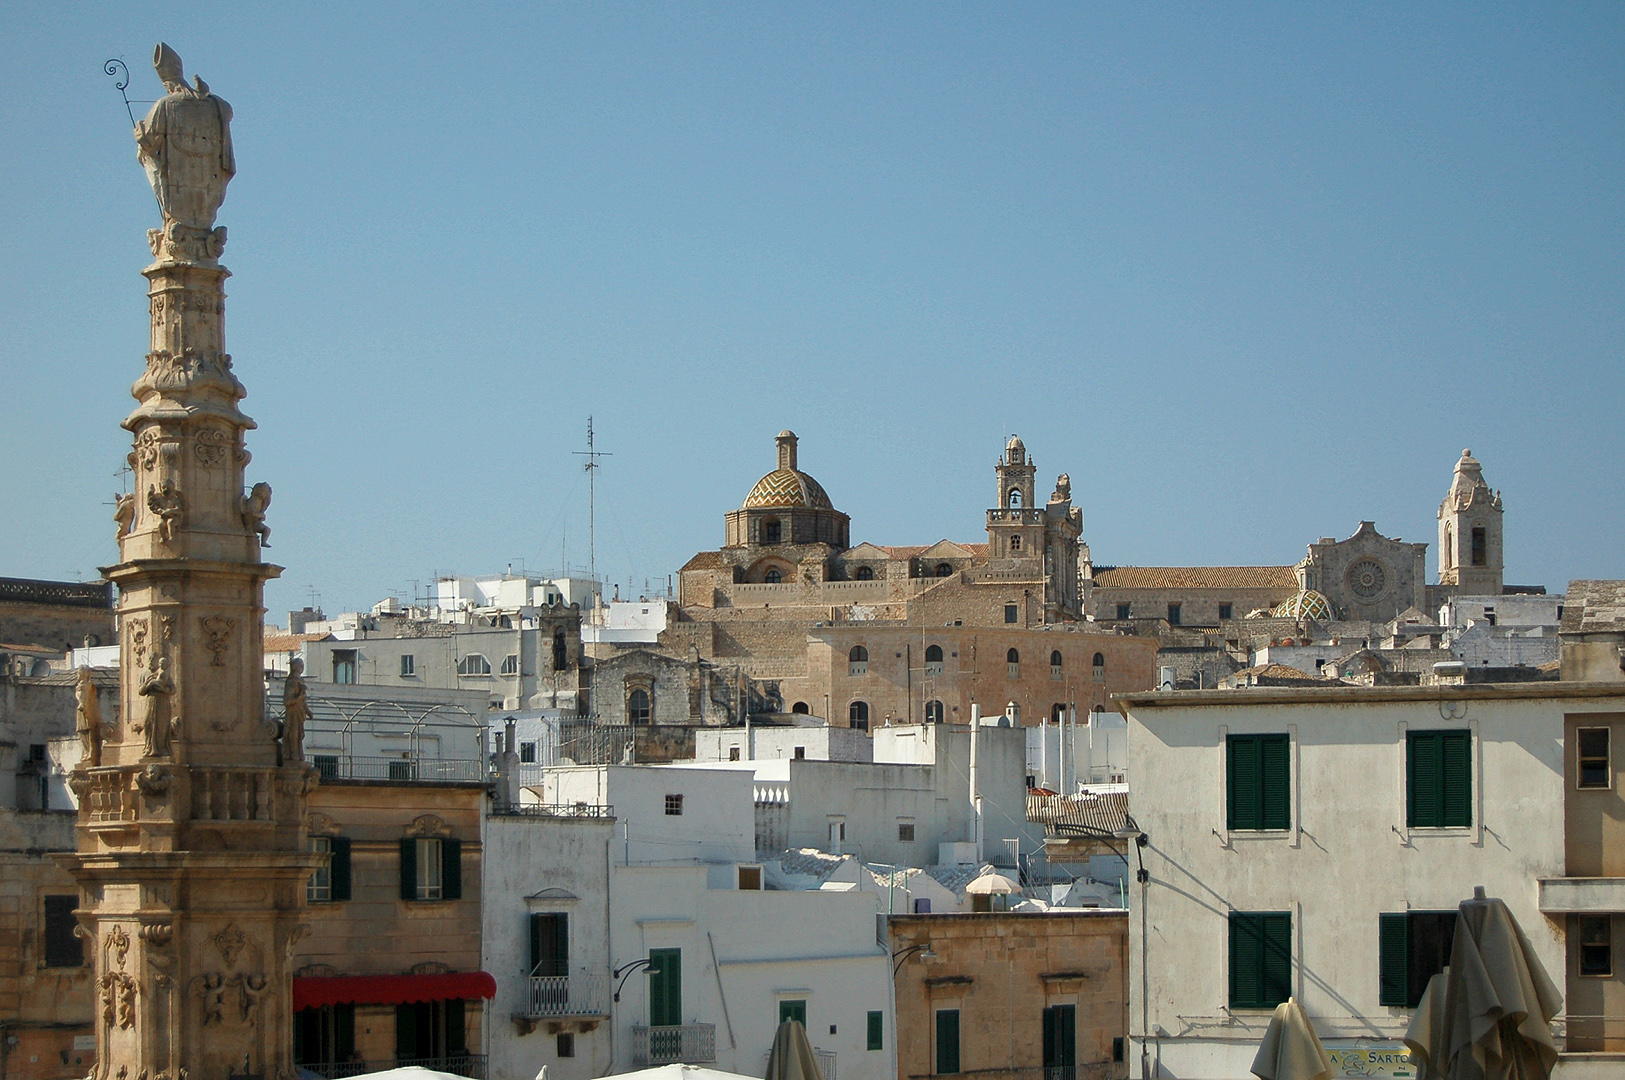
(191, 848)
(1015, 524)
(1470, 533)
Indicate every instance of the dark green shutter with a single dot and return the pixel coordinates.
(456, 1032)
(406, 1029)
(1060, 1035)
(550, 944)
(947, 1041)
(877, 1031)
(409, 869)
(1424, 780)
(1457, 755)
(1258, 789)
(793, 1010)
(1275, 764)
(343, 1032)
(451, 869)
(1260, 959)
(1393, 959)
(666, 987)
(1242, 795)
(339, 873)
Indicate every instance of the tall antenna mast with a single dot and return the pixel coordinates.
(592, 455)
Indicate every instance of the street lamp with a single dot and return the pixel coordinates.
(624, 972)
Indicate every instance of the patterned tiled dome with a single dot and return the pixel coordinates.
(787, 487)
(1308, 604)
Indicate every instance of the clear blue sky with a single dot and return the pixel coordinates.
(1250, 273)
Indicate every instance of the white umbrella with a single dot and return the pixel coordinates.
(681, 1072)
(1498, 1002)
(1291, 1050)
(792, 1056)
(991, 883)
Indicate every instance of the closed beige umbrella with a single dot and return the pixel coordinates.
(792, 1056)
(1291, 1050)
(1495, 1023)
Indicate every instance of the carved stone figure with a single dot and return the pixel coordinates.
(170, 506)
(88, 718)
(124, 515)
(295, 711)
(212, 989)
(185, 146)
(252, 987)
(254, 505)
(217, 637)
(158, 688)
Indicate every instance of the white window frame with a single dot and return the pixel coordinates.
(320, 886)
(431, 874)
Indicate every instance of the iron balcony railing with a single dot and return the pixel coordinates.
(357, 767)
(1086, 1070)
(469, 1065)
(686, 1044)
(553, 996)
(556, 810)
(826, 1062)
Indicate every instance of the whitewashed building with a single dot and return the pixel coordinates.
(1316, 842)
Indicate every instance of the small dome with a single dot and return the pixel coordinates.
(1015, 443)
(787, 487)
(1308, 604)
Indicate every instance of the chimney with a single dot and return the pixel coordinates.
(787, 449)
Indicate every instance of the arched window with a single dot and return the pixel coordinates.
(637, 707)
(1015, 543)
(1446, 554)
(773, 577)
(934, 712)
(473, 664)
(865, 573)
(1015, 498)
(857, 661)
(561, 654)
(1013, 659)
(858, 715)
(933, 659)
(800, 708)
(1100, 667)
(944, 570)
(1057, 712)
(770, 531)
(1055, 664)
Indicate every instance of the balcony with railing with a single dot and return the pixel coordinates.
(826, 1062)
(567, 997)
(359, 767)
(686, 1044)
(555, 810)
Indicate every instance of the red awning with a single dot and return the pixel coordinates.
(314, 991)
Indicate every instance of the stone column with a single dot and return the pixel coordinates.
(192, 855)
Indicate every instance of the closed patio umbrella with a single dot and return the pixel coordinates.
(1291, 1050)
(1498, 1002)
(792, 1056)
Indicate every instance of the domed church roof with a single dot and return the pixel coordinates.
(786, 485)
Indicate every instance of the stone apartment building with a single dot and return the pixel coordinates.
(1003, 995)
(390, 971)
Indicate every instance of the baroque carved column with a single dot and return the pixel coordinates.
(192, 855)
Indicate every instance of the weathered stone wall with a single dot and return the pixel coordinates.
(47, 1009)
(1001, 970)
(56, 614)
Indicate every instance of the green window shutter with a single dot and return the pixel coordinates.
(406, 1031)
(1260, 959)
(1422, 779)
(1277, 959)
(1060, 1035)
(793, 1010)
(1275, 763)
(1457, 795)
(877, 1031)
(340, 872)
(947, 1041)
(456, 1029)
(1242, 796)
(537, 930)
(666, 987)
(409, 871)
(343, 1032)
(1393, 959)
(451, 869)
